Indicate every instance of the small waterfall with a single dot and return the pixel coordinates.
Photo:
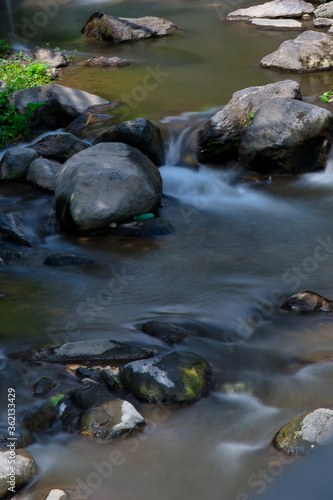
(329, 163)
(11, 35)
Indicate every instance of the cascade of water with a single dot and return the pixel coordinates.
(11, 35)
(329, 163)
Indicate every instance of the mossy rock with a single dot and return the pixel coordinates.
(305, 432)
(179, 377)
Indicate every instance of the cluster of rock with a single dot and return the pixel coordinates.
(96, 408)
(310, 51)
(269, 129)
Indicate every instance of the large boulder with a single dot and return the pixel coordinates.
(324, 10)
(54, 58)
(287, 136)
(18, 474)
(219, 138)
(43, 173)
(59, 147)
(61, 104)
(275, 9)
(118, 29)
(305, 432)
(16, 162)
(179, 377)
(139, 133)
(310, 51)
(106, 183)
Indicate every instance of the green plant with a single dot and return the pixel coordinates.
(250, 120)
(17, 74)
(327, 96)
(4, 48)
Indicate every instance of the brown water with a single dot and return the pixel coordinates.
(237, 252)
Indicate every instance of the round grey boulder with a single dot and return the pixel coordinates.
(43, 173)
(109, 182)
(310, 51)
(287, 136)
(324, 10)
(16, 162)
(25, 470)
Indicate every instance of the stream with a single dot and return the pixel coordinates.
(240, 248)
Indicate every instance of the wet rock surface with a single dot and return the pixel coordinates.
(43, 173)
(179, 377)
(93, 350)
(107, 62)
(40, 419)
(304, 433)
(16, 162)
(169, 332)
(44, 385)
(307, 301)
(59, 147)
(25, 470)
(12, 229)
(150, 229)
(119, 29)
(66, 259)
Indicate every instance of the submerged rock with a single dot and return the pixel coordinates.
(139, 133)
(16, 162)
(277, 8)
(93, 350)
(61, 104)
(150, 229)
(305, 432)
(287, 136)
(310, 51)
(219, 138)
(59, 147)
(110, 420)
(109, 182)
(179, 377)
(25, 470)
(117, 29)
(107, 62)
(169, 332)
(43, 173)
(66, 259)
(307, 301)
(40, 419)
(44, 385)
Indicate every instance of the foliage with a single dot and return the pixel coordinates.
(327, 96)
(18, 73)
(4, 48)
(250, 120)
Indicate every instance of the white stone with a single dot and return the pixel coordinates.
(278, 24)
(317, 426)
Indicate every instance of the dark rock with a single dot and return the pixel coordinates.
(62, 105)
(169, 332)
(89, 396)
(93, 350)
(139, 133)
(23, 437)
(44, 385)
(109, 182)
(69, 415)
(307, 301)
(287, 136)
(111, 420)
(310, 51)
(60, 147)
(43, 173)
(66, 259)
(220, 136)
(41, 419)
(152, 228)
(107, 62)
(305, 432)
(9, 255)
(11, 229)
(16, 162)
(179, 377)
(275, 9)
(116, 29)
(25, 470)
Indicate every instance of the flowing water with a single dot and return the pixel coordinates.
(238, 251)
